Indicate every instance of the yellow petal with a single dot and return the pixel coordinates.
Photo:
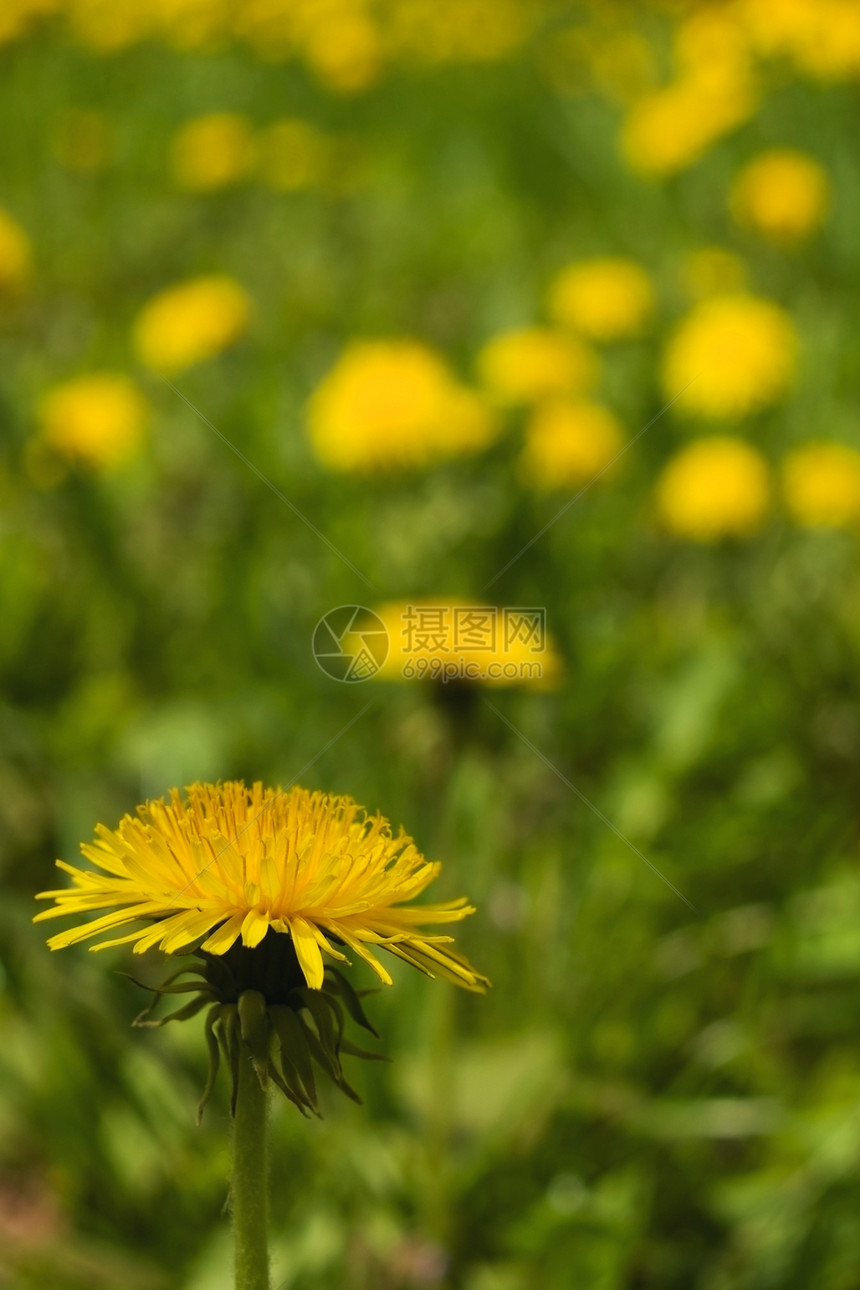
(254, 928)
(224, 936)
(307, 952)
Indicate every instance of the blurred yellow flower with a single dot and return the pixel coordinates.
(712, 47)
(569, 443)
(344, 48)
(394, 403)
(782, 193)
(778, 26)
(821, 485)
(15, 254)
(452, 639)
(533, 362)
(82, 139)
(107, 26)
(16, 17)
(470, 31)
(716, 487)
(191, 24)
(712, 271)
(212, 151)
(821, 36)
(670, 129)
(731, 356)
(292, 155)
(833, 52)
(98, 419)
(189, 322)
(607, 299)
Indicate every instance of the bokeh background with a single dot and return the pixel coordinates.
(426, 269)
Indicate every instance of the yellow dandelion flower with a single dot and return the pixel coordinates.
(82, 140)
(17, 16)
(293, 155)
(716, 487)
(712, 271)
(191, 24)
(227, 864)
(822, 37)
(99, 419)
(607, 299)
(107, 26)
(471, 31)
(569, 443)
(782, 194)
(712, 47)
(777, 26)
(668, 130)
(345, 52)
(15, 254)
(821, 485)
(189, 322)
(394, 403)
(212, 151)
(451, 639)
(735, 354)
(532, 362)
(833, 53)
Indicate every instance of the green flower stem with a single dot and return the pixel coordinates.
(250, 1181)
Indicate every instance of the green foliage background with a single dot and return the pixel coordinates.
(651, 1094)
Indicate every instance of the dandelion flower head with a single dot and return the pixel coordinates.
(568, 443)
(343, 47)
(821, 485)
(394, 403)
(782, 194)
(99, 419)
(715, 487)
(212, 151)
(227, 864)
(605, 299)
(189, 322)
(822, 37)
(731, 356)
(532, 362)
(15, 254)
(668, 129)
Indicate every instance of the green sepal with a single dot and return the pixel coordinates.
(346, 1046)
(331, 1065)
(351, 999)
(294, 1048)
(323, 1009)
(181, 1014)
(214, 1058)
(231, 1043)
(290, 1090)
(185, 988)
(307, 1024)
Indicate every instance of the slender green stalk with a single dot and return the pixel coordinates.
(250, 1181)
